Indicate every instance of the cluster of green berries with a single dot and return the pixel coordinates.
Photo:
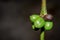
(39, 22)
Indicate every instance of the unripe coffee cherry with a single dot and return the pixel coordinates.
(34, 17)
(39, 23)
(48, 17)
(48, 25)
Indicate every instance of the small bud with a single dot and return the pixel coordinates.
(48, 17)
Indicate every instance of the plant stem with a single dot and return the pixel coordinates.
(43, 8)
(42, 13)
(42, 35)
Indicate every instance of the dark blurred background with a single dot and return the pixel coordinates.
(15, 23)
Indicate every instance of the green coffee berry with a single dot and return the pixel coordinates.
(34, 17)
(48, 25)
(39, 23)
